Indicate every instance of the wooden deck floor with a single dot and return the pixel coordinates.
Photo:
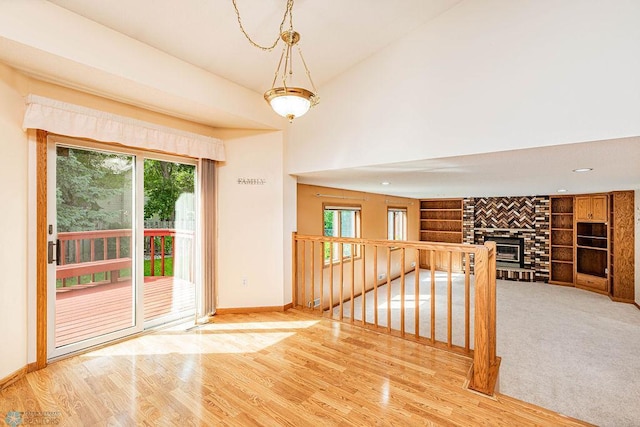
(91, 310)
(273, 369)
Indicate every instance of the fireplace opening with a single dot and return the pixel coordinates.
(509, 251)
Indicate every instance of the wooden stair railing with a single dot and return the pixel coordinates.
(332, 276)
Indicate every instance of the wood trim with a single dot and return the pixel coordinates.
(636, 304)
(41, 249)
(244, 310)
(624, 300)
(13, 377)
(32, 367)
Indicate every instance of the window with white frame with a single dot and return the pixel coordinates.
(397, 224)
(341, 221)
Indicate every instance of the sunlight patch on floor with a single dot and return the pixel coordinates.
(258, 325)
(189, 343)
(210, 338)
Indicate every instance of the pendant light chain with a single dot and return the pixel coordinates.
(287, 11)
(306, 69)
(286, 100)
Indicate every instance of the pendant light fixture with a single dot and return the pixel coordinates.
(287, 100)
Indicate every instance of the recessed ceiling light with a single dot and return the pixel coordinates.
(583, 169)
(562, 190)
(385, 183)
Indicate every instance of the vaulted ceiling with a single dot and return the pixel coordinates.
(208, 72)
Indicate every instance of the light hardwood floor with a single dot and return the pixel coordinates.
(266, 369)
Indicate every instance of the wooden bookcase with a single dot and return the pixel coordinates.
(441, 221)
(561, 241)
(592, 243)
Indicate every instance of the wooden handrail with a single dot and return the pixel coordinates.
(381, 262)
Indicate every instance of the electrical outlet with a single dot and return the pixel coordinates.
(413, 264)
(315, 303)
(381, 276)
(245, 281)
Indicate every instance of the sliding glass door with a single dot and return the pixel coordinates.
(121, 243)
(169, 240)
(91, 247)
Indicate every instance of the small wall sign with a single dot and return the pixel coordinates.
(252, 181)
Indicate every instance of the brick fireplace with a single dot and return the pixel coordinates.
(524, 219)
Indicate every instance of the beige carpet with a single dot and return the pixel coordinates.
(569, 350)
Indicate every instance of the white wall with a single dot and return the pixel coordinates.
(484, 76)
(252, 236)
(13, 217)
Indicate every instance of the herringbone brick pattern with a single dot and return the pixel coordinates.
(505, 212)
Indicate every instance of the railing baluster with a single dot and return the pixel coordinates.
(78, 259)
(432, 264)
(173, 249)
(449, 302)
(353, 279)
(322, 278)
(313, 276)
(388, 289)
(416, 296)
(303, 273)
(152, 263)
(162, 255)
(341, 281)
(364, 284)
(63, 252)
(375, 285)
(331, 279)
(294, 269)
(402, 292)
(492, 301)
(92, 255)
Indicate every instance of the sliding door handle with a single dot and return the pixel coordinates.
(50, 252)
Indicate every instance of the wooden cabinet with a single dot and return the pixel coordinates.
(441, 221)
(621, 248)
(591, 208)
(561, 241)
(592, 283)
(592, 238)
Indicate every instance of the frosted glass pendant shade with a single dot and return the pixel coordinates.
(290, 102)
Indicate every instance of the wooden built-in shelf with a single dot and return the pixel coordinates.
(562, 241)
(441, 221)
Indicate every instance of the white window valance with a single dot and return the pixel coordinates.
(73, 120)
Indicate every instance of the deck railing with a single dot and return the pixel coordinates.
(379, 284)
(108, 252)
